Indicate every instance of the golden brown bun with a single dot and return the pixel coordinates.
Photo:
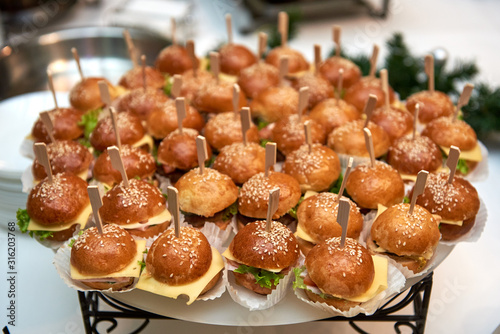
(396, 122)
(112, 286)
(453, 232)
(133, 204)
(85, 95)
(296, 61)
(216, 97)
(456, 201)
(413, 263)
(101, 254)
(150, 231)
(319, 88)
(248, 281)
(350, 139)
(221, 219)
(410, 156)
(241, 162)
(129, 128)
(315, 170)
(276, 249)
(275, 103)
(163, 120)
(178, 150)
(342, 272)
(141, 102)
(137, 163)
(63, 235)
(205, 194)
(57, 202)
(179, 260)
(332, 113)
(369, 186)
(446, 131)
(289, 135)
(133, 78)
(317, 215)
(398, 232)
(305, 246)
(358, 94)
(256, 78)
(191, 83)
(338, 303)
(234, 58)
(253, 199)
(225, 129)
(64, 156)
(330, 70)
(432, 105)
(174, 59)
(65, 122)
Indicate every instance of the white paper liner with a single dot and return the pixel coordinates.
(344, 160)
(163, 182)
(27, 180)
(481, 172)
(217, 291)
(395, 282)
(26, 148)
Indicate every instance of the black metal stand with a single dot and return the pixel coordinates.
(419, 294)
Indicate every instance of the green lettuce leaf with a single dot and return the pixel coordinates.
(230, 211)
(167, 89)
(299, 281)
(89, 121)
(335, 188)
(23, 220)
(293, 211)
(462, 166)
(406, 199)
(264, 278)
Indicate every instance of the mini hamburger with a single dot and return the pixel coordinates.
(289, 135)
(174, 59)
(139, 208)
(140, 102)
(217, 97)
(260, 258)
(358, 93)
(396, 122)
(225, 129)
(319, 88)
(86, 95)
(297, 64)
(111, 260)
(133, 78)
(409, 239)
(330, 69)
(332, 113)
(234, 58)
(457, 204)
(433, 104)
(184, 265)
(65, 125)
(274, 103)
(256, 78)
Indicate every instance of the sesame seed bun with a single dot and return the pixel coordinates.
(141, 102)
(369, 186)
(225, 129)
(86, 95)
(410, 156)
(330, 70)
(256, 78)
(432, 105)
(396, 122)
(191, 83)
(65, 122)
(133, 78)
(253, 199)
(447, 131)
(234, 58)
(289, 135)
(296, 61)
(241, 162)
(332, 113)
(319, 88)
(205, 194)
(275, 103)
(358, 93)
(129, 128)
(174, 59)
(213, 97)
(315, 170)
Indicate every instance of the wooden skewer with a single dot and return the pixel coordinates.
(464, 98)
(340, 83)
(415, 120)
(229, 28)
(346, 176)
(77, 59)
(336, 39)
(43, 158)
(418, 189)
(104, 90)
(283, 69)
(283, 28)
(245, 123)
(369, 145)
(173, 207)
(317, 58)
(176, 86)
(114, 123)
(215, 65)
(96, 203)
(429, 70)
(143, 65)
(343, 218)
(130, 47)
(303, 100)
(201, 148)
(180, 106)
(274, 199)
(117, 163)
(452, 161)
(192, 55)
(51, 87)
(369, 107)
(236, 99)
(47, 122)
(270, 157)
(307, 130)
(373, 60)
(384, 77)
(262, 44)
(174, 31)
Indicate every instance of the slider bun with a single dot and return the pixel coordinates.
(213, 97)
(113, 286)
(256, 78)
(129, 128)
(225, 129)
(86, 95)
(319, 88)
(338, 303)
(65, 156)
(136, 161)
(317, 215)
(296, 61)
(275, 103)
(248, 281)
(432, 105)
(447, 131)
(163, 119)
(205, 194)
(234, 58)
(409, 262)
(191, 83)
(453, 232)
(97, 255)
(174, 59)
(59, 202)
(410, 156)
(64, 235)
(396, 122)
(133, 204)
(241, 162)
(332, 113)
(330, 70)
(65, 122)
(141, 102)
(350, 139)
(315, 170)
(398, 232)
(289, 135)
(343, 272)
(253, 199)
(255, 247)
(358, 93)
(133, 78)
(369, 186)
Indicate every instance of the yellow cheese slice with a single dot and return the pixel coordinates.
(192, 290)
(81, 220)
(147, 139)
(303, 234)
(133, 269)
(380, 209)
(83, 175)
(470, 155)
(158, 219)
(309, 193)
(229, 255)
(452, 222)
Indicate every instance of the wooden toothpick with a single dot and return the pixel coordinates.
(229, 28)
(336, 39)
(429, 70)
(174, 31)
(317, 58)
(47, 122)
(418, 189)
(343, 218)
(176, 86)
(77, 59)
(245, 123)
(369, 145)
(274, 200)
(283, 69)
(192, 56)
(369, 107)
(104, 90)
(51, 87)
(346, 176)
(384, 77)
(117, 163)
(464, 98)
(180, 106)
(173, 207)
(415, 119)
(114, 123)
(307, 130)
(201, 149)
(236, 99)
(262, 44)
(303, 100)
(215, 65)
(283, 27)
(373, 60)
(130, 47)
(96, 203)
(340, 83)
(43, 159)
(270, 157)
(452, 161)
(143, 65)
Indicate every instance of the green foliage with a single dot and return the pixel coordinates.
(142, 264)
(89, 122)
(293, 211)
(335, 188)
(230, 211)
(264, 278)
(294, 18)
(167, 88)
(406, 200)
(299, 281)
(483, 110)
(462, 166)
(23, 220)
